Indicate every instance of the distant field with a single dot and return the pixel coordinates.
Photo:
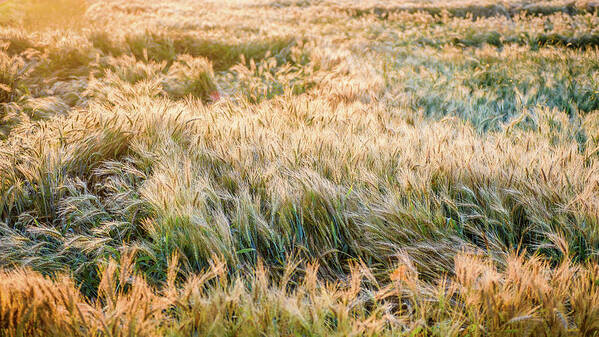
(299, 168)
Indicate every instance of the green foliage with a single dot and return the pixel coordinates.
(399, 168)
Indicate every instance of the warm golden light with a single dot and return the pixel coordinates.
(299, 168)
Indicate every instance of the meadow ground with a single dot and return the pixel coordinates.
(299, 168)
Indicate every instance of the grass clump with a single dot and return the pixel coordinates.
(191, 76)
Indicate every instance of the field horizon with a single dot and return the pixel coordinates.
(299, 168)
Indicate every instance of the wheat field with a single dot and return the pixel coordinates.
(299, 168)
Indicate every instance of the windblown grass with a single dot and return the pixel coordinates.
(527, 298)
(299, 168)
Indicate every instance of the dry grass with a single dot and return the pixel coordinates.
(290, 168)
(526, 298)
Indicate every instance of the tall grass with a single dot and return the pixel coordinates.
(298, 168)
(527, 298)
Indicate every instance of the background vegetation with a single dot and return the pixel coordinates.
(299, 168)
